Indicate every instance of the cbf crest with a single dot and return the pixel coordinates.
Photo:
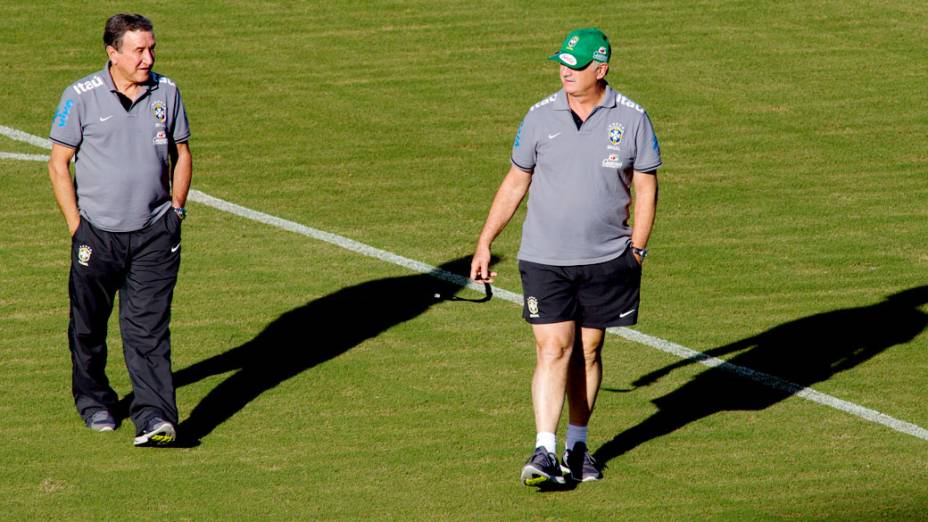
(532, 303)
(83, 255)
(616, 131)
(159, 111)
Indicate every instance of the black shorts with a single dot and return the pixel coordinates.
(596, 296)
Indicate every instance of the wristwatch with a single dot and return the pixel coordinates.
(641, 252)
(181, 212)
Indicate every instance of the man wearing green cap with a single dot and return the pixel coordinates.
(579, 154)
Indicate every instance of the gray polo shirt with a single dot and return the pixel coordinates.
(121, 164)
(579, 197)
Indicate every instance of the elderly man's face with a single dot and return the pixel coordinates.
(135, 58)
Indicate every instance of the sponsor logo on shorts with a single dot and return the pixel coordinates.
(160, 138)
(159, 111)
(612, 162)
(83, 255)
(616, 131)
(532, 303)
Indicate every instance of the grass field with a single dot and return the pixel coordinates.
(325, 385)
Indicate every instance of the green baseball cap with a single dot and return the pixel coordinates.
(581, 47)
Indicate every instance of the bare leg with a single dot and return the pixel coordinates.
(585, 375)
(553, 347)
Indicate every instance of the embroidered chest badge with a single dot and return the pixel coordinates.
(616, 131)
(159, 111)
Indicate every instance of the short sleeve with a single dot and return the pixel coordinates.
(524, 151)
(181, 128)
(648, 155)
(66, 122)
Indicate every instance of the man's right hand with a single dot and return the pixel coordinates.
(480, 266)
(72, 226)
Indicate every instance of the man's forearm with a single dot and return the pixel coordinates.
(505, 203)
(645, 208)
(182, 176)
(63, 187)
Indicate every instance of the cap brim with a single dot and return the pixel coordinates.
(569, 60)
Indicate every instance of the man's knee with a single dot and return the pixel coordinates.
(590, 343)
(554, 342)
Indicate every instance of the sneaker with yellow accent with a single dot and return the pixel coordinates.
(158, 432)
(542, 469)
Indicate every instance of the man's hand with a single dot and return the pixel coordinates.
(480, 266)
(72, 227)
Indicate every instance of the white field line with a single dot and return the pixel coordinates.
(626, 333)
(19, 135)
(23, 157)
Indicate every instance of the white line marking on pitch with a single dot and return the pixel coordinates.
(19, 135)
(23, 157)
(626, 333)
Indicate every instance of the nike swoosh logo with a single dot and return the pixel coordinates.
(175, 247)
(624, 314)
(552, 136)
(102, 119)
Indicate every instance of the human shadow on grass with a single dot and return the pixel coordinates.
(796, 354)
(312, 334)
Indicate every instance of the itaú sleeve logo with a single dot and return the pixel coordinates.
(82, 87)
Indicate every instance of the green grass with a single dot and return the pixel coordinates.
(793, 185)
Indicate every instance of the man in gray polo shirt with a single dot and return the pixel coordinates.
(126, 129)
(579, 154)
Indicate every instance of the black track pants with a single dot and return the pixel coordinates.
(142, 266)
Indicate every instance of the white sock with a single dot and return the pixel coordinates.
(548, 440)
(575, 434)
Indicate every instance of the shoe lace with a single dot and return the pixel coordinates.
(589, 458)
(551, 460)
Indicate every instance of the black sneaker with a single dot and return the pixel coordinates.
(542, 468)
(158, 432)
(101, 420)
(580, 464)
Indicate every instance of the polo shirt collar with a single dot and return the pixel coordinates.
(560, 101)
(609, 100)
(151, 84)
